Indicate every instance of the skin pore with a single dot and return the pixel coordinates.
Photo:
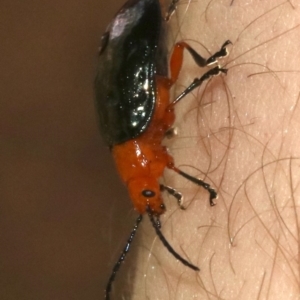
(240, 134)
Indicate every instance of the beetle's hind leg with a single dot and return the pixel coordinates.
(198, 81)
(177, 60)
(212, 193)
(219, 54)
(202, 62)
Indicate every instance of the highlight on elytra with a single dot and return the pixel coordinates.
(132, 90)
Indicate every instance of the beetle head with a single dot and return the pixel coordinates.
(145, 191)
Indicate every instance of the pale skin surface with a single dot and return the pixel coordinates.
(242, 131)
(64, 218)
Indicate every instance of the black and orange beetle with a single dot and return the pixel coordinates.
(132, 89)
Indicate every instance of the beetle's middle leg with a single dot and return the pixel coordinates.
(174, 193)
(212, 193)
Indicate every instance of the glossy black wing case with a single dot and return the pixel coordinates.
(125, 83)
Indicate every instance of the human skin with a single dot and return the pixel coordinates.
(240, 134)
(64, 218)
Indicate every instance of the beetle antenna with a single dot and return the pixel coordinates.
(166, 244)
(121, 258)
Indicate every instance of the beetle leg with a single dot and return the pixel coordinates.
(212, 193)
(174, 193)
(170, 133)
(171, 9)
(198, 81)
(177, 57)
(202, 62)
(221, 53)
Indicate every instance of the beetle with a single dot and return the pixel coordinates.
(132, 89)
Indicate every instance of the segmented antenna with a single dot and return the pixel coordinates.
(166, 244)
(121, 258)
